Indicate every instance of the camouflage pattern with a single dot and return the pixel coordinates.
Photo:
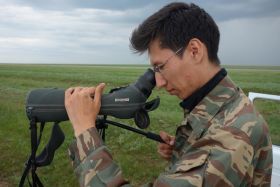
(223, 142)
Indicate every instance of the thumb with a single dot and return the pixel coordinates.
(98, 92)
(166, 138)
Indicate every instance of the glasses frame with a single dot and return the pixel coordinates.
(159, 68)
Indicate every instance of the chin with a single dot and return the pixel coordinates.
(182, 97)
(173, 93)
(177, 95)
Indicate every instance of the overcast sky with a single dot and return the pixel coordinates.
(98, 31)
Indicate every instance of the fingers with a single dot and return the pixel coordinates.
(69, 91)
(93, 92)
(83, 105)
(164, 148)
(165, 151)
(73, 90)
(89, 92)
(167, 138)
(98, 92)
(67, 96)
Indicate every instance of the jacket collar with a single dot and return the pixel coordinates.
(200, 116)
(190, 102)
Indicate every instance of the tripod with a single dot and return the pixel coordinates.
(102, 124)
(57, 137)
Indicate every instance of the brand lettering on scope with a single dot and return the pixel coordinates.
(122, 99)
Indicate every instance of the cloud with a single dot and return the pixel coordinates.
(229, 10)
(78, 31)
(250, 41)
(18, 41)
(59, 31)
(96, 4)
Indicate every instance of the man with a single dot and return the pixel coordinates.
(222, 141)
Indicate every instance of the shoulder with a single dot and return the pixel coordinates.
(241, 115)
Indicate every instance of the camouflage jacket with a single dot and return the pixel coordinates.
(223, 142)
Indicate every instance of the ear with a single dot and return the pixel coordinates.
(196, 50)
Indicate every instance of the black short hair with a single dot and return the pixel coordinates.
(175, 25)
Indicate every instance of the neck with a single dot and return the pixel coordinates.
(191, 101)
(207, 72)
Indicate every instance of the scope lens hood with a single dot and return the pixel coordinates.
(46, 105)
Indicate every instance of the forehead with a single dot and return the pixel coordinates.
(157, 54)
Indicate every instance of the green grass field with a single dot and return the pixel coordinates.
(136, 155)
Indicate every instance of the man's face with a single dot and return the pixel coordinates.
(175, 74)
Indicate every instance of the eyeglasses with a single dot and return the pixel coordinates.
(159, 68)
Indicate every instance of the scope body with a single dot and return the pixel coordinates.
(47, 104)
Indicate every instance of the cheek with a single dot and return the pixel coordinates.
(177, 78)
(176, 75)
(182, 82)
(188, 87)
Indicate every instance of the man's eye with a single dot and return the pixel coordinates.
(161, 66)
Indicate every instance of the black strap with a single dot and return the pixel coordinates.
(37, 181)
(41, 132)
(30, 185)
(26, 170)
(46, 156)
(30, 165)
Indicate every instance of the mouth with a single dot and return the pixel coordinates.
(171, 91)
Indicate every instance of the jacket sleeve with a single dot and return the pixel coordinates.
(92, 162)
(94, 166)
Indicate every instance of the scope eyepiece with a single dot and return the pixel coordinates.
(146, 82)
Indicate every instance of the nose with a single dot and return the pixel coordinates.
(160, 80)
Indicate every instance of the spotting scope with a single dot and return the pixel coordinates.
(47, 104)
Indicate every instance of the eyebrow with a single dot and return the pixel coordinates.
(154, 63)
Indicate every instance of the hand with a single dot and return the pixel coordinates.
(82, 105)
(165, 149)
